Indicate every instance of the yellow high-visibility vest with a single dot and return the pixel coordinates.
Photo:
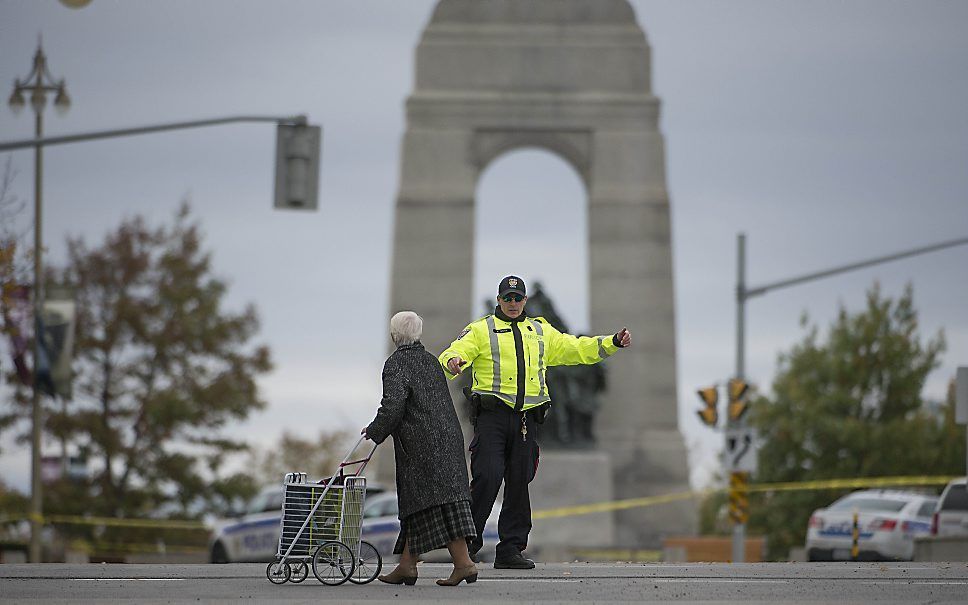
(506, 357)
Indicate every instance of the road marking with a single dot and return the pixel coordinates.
(642, 578)
(922, 582)
(127, 579)
(714, 580)
(533, 579)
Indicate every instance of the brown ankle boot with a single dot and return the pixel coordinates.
(400, 576)
(468, 574)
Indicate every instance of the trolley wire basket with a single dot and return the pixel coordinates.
(321, 527)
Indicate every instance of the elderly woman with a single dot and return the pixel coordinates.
(432, 485)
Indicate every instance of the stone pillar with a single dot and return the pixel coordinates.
(630, 252)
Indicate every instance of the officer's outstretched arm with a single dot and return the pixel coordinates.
(569, 350)
(467, 347)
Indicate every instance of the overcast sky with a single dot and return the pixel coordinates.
(829, 132)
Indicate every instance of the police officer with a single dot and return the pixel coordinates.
(509, 354)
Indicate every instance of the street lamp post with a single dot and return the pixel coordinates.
(744, 293)
(37, 83)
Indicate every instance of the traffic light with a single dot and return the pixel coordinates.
(737, 402)
(297, 166)
(708, 414)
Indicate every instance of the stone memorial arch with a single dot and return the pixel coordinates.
(571, 77)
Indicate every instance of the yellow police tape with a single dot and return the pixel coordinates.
(566, 511)
(109, 521)
(601, 507)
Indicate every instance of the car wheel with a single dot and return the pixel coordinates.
(218, 553)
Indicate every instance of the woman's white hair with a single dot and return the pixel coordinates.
(405, 328)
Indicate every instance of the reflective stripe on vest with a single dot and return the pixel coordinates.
(541, 370)
(495, 354)
(602, 353)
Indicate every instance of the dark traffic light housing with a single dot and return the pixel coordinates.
(708, 414)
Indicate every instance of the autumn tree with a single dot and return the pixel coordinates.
(317, 457)
(14, 293)
(162, 369)
(850, 405)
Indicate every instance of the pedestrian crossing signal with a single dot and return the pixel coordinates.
(737, 402)
(709, 397)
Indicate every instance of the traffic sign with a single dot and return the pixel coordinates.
(741, 450)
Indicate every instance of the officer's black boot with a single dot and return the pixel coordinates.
(514, 561)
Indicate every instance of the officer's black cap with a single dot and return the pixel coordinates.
(511, 283)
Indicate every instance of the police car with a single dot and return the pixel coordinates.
(888, 521)
(254, 537)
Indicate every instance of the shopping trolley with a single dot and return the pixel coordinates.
(321, 527)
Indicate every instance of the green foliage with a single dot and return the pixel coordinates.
(13, 508)
(713, 514)
(849, 406)
(12, 502)
(161, 370)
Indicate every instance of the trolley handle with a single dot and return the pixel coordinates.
(362, 461)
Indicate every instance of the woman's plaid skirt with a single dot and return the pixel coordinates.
(434, 527)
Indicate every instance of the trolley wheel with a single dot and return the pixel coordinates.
(278, 572)
(368, 566)
(333, 563)
(299, 571)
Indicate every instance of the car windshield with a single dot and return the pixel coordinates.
(869, 504)
(926, 508)
(258, 504)
(957, 498)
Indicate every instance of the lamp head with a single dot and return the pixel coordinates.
(16, 101)
(62, 102)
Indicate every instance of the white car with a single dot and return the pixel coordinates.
(255, 535)
(951, 515)
(888, 521)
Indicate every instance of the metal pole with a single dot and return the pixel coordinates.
(760, 290)
(740, 306)
(36, 495)
(739, 529)
(123, 132)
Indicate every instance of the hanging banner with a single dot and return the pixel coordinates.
(58, 340)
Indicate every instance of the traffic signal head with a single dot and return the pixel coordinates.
(709, 397)
(737, 402)
(297, 166)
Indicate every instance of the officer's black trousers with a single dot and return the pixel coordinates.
(498, 453)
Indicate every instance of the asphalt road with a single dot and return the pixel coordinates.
(882, 583)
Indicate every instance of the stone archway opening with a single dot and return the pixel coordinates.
(531, 219)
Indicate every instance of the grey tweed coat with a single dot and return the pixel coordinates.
(417, 410)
